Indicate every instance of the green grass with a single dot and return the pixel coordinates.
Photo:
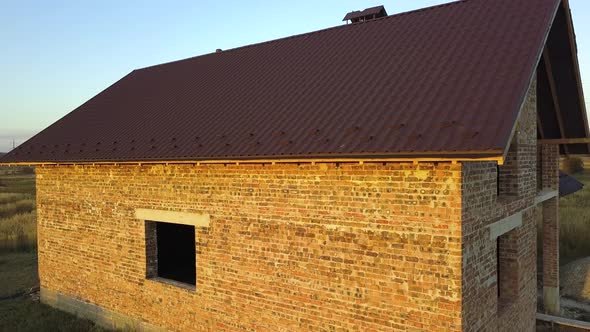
(26, 315)
(574, 216)
(18, 272)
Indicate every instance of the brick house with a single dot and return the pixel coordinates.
(381, 175)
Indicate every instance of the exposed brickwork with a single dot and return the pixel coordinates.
(519, 314)
(324, 247)
(550, 225)
(515, 310)
(550, 166)
(508, 269)
(508, 184)
(551, 243)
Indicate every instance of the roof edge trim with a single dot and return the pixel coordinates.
(498, 159)
(576, 63)
(532, 76)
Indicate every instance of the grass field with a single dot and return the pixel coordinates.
(18, 224)
(18, 272)
(18, 264)
(574, 214)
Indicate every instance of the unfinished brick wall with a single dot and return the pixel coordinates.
(514, 310)
(312, 247)
(550, 216)
(550, 226)
(549, 166)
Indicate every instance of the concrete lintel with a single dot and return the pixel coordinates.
(545, 195)
(184, 218)
(505, 225)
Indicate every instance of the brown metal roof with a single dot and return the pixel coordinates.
(446, 80)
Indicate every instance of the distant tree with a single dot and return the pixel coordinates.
(573, 165)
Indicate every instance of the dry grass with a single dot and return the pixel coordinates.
(18, 225)
(19, 232)
(574, 214)
(11, 197)
(18, 184)
(18, 263)
(8, 210)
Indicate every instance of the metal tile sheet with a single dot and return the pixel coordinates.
(444, 80)
(568, 184)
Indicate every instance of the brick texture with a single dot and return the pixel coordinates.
(550, 214)
(551, 243)
(325, 247)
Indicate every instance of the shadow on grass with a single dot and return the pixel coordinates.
(18, 273)
(25, 315)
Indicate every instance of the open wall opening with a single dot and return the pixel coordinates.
(171, 252)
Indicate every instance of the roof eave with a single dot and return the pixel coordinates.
(453, 156)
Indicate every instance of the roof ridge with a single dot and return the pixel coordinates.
(413, 11)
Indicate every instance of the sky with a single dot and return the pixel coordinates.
(55, 55)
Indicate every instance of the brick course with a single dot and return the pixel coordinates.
(550, 225)
(324, 247)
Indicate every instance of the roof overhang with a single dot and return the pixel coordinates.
(453, 157)
(562, 117)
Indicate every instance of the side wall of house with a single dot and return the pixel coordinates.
(288, 247)
(505, 300)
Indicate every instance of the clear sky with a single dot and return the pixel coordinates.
(55, 55)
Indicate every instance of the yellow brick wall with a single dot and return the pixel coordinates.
(290, 247)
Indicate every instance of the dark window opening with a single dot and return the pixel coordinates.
(174, 252)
